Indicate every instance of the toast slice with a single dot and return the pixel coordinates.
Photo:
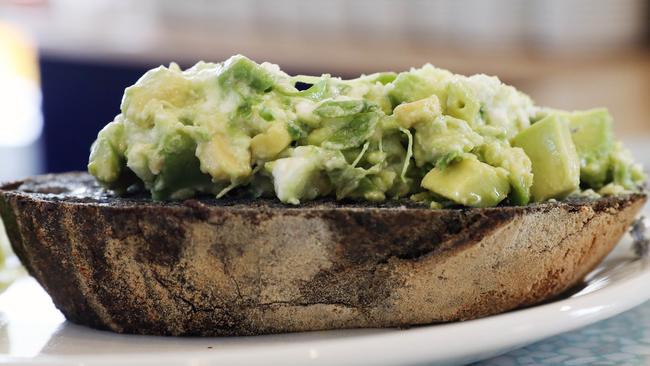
(211, 267)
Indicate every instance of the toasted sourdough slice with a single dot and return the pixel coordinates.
(232, 267)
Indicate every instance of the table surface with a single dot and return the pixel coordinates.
(622, 340)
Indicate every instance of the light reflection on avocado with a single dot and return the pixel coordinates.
(437, 137)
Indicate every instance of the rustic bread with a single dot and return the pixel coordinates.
(240, 267)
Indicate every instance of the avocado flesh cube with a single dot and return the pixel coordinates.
(516, 162)
(442, 136)
(418, 84)
(462, 103)
(110, 168)
(269, 144)
(180, 175)
(297, 178)
(241, 70)
(105, 163)
(409, 88)
(469, 182)
(556, 166)
(106, 159)
(408, 115)
(592, 134)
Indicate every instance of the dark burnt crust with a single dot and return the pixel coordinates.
(359, 222)
(34, 257)
(64, 228)
(81, 188)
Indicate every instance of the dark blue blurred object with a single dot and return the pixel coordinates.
(79, 98)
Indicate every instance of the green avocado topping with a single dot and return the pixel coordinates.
(428, 134)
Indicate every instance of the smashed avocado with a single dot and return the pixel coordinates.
(427, 134)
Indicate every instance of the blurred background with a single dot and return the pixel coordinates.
(65, 63)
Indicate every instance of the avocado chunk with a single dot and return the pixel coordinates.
(442, 136)
(106, 153)
(592, 134)
(240, 72)
(352, 133)
(418, 84)
(180, 175)
(462, 103)
(300, 176)
(269, 144)
(469, 182)
(408, 115)
(624, 171)
(556, 166)
(226, 157)
(158, 89)
(516, 162)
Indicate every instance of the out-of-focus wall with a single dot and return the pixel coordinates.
(316, 30)
(20, 101)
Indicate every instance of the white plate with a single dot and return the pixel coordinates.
(34, 332)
